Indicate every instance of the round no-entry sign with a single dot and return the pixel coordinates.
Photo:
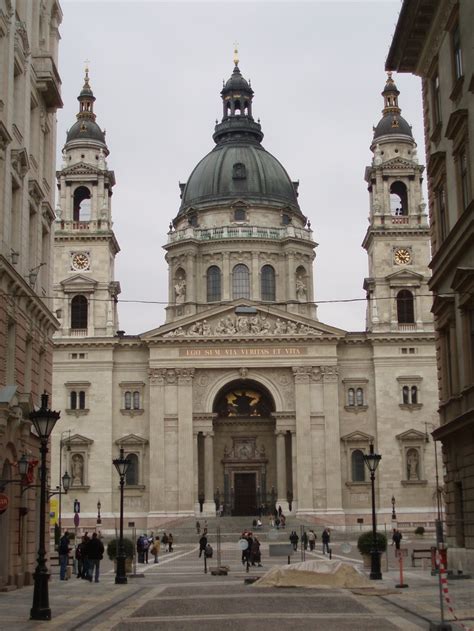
(3, 502)
(76, 519)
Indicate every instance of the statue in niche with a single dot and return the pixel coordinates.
(180, 291)
(300, 289)
(77, 470)
(244, 452)
(377, 155)
(102, 162)
(412, 464)
(64, 157)
(59, 211)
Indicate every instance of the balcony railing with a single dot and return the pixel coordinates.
(78, 332)
(407, 327)
(240, 232)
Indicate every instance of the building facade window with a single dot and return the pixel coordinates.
(131, 478)
(268, 283)
(405, 307)
(77, 400)
(457, 53)
(240, 281)
(79, 312)
(351, 397)
(357, 466)
(132, 393)
(128, 400)
(213, 284)
(410, 391)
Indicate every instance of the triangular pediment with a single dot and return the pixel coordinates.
(405, 275)
(357, 437)
(400, 163)
(411, 435)
(243, 319)
(81, 169)
(131, 440)
(78, 282)
(77, 440)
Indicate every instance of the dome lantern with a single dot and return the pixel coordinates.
(392, 122)
(86, 128)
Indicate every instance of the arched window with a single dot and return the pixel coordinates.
(131, 479)
(136, 400)
(213, 284)
(359, 396)
(358, 466)
(406, 395)
(73, 400)
(414, 395)
(351, 397)
(82, 204)
(240, 282)
(398, 199)
(405, 307)
(128, 400)
(79, 308)
(268, 283)
(82, 400)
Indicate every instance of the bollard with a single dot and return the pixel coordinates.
(400, 565)
(330, 554)
(205, 563)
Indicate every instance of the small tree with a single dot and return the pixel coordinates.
(112, 549)
(419, 530)
(365, 542)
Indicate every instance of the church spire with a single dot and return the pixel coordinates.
(86, 99)
(390, 94)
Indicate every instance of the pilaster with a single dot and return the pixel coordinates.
(302, 376)
(185, 440)
(332, 438)
(157, 379)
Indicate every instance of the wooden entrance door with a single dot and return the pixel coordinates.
(245, 494)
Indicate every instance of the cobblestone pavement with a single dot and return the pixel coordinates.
(176, 595)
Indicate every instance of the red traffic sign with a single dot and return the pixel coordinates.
(3, 502)
(76, 519)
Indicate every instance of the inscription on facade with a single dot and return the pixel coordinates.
(242, 352)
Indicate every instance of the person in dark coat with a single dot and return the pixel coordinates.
(255, 554)
(202, 545)
(95, 551)
(304, 539)
(164, 541)
(294, 540)
(326, 538)
(63, 552)
(397, 538)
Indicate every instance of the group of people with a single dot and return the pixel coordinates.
(149, 544)
(308, 539)
(89, 553)
(250, 546)
(278, 519)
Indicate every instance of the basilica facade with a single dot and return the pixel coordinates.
(243, 398)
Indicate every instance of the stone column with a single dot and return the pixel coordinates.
(304, 461)
(225, 279)
(209, 507)
(332, 439)
(290, 278)
(294, 472)
(255, 289)
(157, 500)
(196, 472)
(281, 470)
(185, 441)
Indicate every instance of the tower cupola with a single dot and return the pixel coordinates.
(391, 123)
(86, 128)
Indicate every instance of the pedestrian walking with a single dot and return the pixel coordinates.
(255, 554)
(164, 541)
(326, 538)
(397, 538)
(155, 549)
(198, 527)
(170, 542)
(63, 552)
(304, 539)
(202, 545)
(95, 552)
(85, 556)
(294, 540)
(140, 550)
(78, 557)
(145, 547)
(312, 540)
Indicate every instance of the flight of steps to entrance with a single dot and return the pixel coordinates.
(231, 528)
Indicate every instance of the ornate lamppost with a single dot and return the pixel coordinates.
(372, 461)
(99, 506)
(43, 421)
(121, 464)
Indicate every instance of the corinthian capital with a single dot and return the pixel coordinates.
(185, 375)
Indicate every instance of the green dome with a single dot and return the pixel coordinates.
(238, 167)
(239, 170)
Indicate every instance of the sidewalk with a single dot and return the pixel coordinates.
(176, 594)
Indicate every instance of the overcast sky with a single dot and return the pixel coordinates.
(156, 69)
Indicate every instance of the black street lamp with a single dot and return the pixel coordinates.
(372, 461)
(66, 481)
(43, 421)
(121, 464)
(394, 514)
(99, 506)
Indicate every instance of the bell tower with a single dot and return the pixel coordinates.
(84, 244)
(397, 239)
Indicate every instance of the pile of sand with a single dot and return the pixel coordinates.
(314, 574)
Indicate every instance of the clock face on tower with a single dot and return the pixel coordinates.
(402, 256)
(80, 261)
